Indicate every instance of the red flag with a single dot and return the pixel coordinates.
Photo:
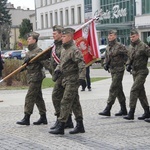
(86, 40)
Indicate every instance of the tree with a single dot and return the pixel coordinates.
(25, 27)
(5, 25)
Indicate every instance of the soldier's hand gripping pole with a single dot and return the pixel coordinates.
(24, 65)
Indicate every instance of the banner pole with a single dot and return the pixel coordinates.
(88, 22)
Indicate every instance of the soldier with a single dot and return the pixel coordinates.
(137, 63)
(72, 70)
(57, 90)
(35, 75)
(116, 55)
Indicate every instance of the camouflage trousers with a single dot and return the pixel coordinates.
(67, 100)
(57, 95)
(34, 96)
(116, 89)
(138, 91)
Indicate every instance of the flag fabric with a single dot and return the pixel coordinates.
(57, 60)
(86, 40)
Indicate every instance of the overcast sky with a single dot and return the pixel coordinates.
(23, 3)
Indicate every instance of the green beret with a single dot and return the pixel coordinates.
(57, 28)
(35, 35)
(112, 31)
(68, 31)
(133, 31)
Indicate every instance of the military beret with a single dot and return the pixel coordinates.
(133, 31)
(57, 28)
(68, 31)
(35, 35)
(113, 31)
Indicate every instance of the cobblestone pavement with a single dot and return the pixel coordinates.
(102, 133)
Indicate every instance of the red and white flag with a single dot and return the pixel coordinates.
(86, 40)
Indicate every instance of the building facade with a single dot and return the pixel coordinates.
(142, 21)
(68, 13)
(17, 15)
(116, 14)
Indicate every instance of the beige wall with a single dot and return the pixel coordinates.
(17, 16)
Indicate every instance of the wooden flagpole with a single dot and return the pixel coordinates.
(88, 22)
(23, 66)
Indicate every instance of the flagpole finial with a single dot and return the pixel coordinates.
(97, 17)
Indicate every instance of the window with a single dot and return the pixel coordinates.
(88, 6)
(51, 19)
(145, 6)
(42, 22)
(79, 15)
(127, 6)
(46, 20)
(144, 36)
(56, 18)
(41, 2)
(67, 17)
(72, 16)
(61, 18)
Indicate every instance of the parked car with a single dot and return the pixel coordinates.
(15, 54)
(6, 54)
(23, 53)
(102, 49)
(3, 52)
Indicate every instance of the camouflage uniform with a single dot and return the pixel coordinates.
(137, 62)
(58, 89)
(57, 92)
(115, 58)
(35, 75)
(138, 58)
(72, 69)
(71, 66)
(114, 62)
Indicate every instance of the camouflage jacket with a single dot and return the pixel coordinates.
(35, 70)
(115, 57)
(138, 57)
(58, 50)
(71, 64)
(48, 60)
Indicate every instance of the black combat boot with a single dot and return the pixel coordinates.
(146, 114)
(69, 123)
(130, 116)
(25, 120)
(147, 120)
(106, 111)
(42, 120)
(123, 110)
(79, 128)
(59, 130)
(56, 123)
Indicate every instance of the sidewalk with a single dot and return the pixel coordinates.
(102, 133)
